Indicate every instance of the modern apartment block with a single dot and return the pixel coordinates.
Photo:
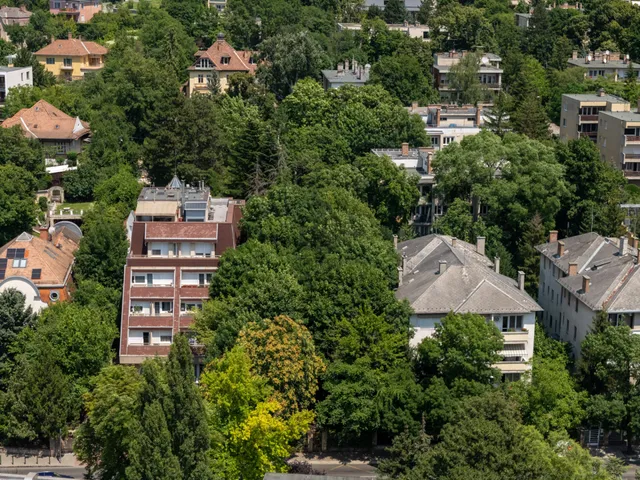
(586, 274)
(580, 114)
(446, 124)
(440, 274)
(489, 72)
(613, 65)
(178, 234)
(619, 142)
(417, 161)
(11, 77)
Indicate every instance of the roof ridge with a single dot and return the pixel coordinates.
(617, 285)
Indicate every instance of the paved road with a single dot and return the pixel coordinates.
(75, 472)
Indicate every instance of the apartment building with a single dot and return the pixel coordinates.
(71, 59)
(580, 114)
(40, 267)
(440, 274)
(619, 142)
(12, 77)
(80, 11)
(489, 72)
(613, 65)
(411, 29)
(446, 124)
(221, 60)
(586, 274)
(219, 5)
(178, 234)
(417, 161)
(347, 73)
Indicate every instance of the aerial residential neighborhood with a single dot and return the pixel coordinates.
(307, 239)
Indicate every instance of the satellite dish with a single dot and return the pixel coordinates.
(606, 52)
(51, 231)
(589, 58)
(485, 60)
(604, 60)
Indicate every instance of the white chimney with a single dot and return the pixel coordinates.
(521, 280)
(496, 264)
(623, 246)
(442, 267)
(480, 243)
(395, 242)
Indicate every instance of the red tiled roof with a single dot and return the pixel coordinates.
(73, 48)
(44, 121)
(239, 60)
(181, 231)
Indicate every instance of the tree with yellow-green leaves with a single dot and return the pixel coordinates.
(282, 351)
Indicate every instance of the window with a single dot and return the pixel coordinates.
(190, 305)
(510, 377)
(27, 75)
(22, 76)
(135, 309)
(146, 338)
(36, 273)
(51, 61)
(564, 122)
(61, 148)
(138, 279)
(166, 307)
(568, 299)
(200, 78)
(511, 323)
(568, 322)
(565, 107)
(435, 141)
(448, 140)
(577, 304)
(68, 62)
(204, 279)
(551, 322)
(225, 60)
(165, 338)
(156, 251)
(19, 263)
(54, 296)
(575, 332)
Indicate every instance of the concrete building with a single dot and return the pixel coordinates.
(580, 113)
(489, 72)
(58, 132)
(80, 11)
(417, 161)
(11, 77)
(346, 74)
(583, 275)
(523, 20)
(446, 124)
(222, 60)
(613, 65)
(619, 141)
(12, 16)
(71, 59)
(413, 30)
(440, 274)
(177, 237)
(412, 6)
(40, 267)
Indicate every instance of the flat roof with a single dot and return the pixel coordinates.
(625, 116)
(155, 208)
(594, 97)
(347, 77)
(597, 64)
(14, 69)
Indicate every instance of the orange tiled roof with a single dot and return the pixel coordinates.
(239, 60)
(44, 121)
(73, 48)
(54, 262)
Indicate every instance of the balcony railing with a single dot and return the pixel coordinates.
(588, 118)
(492, 85)
(631, 174)
(144, 314)
(631, 156)
(631, 139)
(151, 285)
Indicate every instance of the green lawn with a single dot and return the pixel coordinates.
(75, 206)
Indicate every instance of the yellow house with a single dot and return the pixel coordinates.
(72, 58)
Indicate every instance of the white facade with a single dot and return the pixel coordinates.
(11, 77)
(28, 289)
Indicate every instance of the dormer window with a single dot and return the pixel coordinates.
(204, 63)
(225, 60)
(252, 60)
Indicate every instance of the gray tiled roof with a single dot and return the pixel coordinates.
(614, 279)
(469, 284)
(594, 97)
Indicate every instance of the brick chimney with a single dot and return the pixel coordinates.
(70, 36)
(437, 116)
(454, 241)
(480, 243)
(553, 236)
(521, 281)
(405, 149)
(586, 281)
(601, 92)
(560, 248)
(573, 268)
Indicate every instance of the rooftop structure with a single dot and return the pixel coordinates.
(12, 77)
(177, 235)
(40, 267)
(585, 274)
(619, 141)
(222, 59)
(412, 6)
(446, 124)
(12, 16)
(346, 74)
(614, 65)
(413, 30)
(440, 274)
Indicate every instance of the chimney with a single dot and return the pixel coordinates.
(70, 36)
(478, 115)
(405, 149)
(496, 264)
(442, 267)
(553, 236)
(560, 248)
(573, 268)
(622, 246)
(414, 106)
(480, 243)
(454, 241)
(601, 92)
(586, 281)
(521, 281)
(346, 65)
(437, 116)
(395, 242)
(574, 55)
(340, 70)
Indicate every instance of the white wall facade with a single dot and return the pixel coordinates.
(28, 289)
(156, 337)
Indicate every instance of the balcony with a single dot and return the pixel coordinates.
(157, 292)
(155, 321)
(513, 337)
(630, 174)
(593, 136)
(632, 140)
(588, 119)
(66, 67)
(631, 157)
(492, 86)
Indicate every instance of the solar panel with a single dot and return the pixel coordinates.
(3, 263)
(36, 273)
(20, 252)
(11, 253)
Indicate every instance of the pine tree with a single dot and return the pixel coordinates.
(529, 257)
(157, 459)
(395, 11)
(631, 89)
(498, 120)
(185, 413)
(531, 119)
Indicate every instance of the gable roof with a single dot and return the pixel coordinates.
(44, 121)
(72, 47)
(614, 279)
(468, 285)
(239, 60)
(14, 13)
(53, 258)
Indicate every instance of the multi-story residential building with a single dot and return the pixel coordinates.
(346, 74)
(440, 274)
(586, 274)
(11, 77)
(489, 72)
(580, 113)
(12, 16)
(40, 267)
(58, 132)
(80, 11)
(219, 5)
(177, 237)
(72, 59)
(613, 65)
(411, 29)
(417, 161)
(446, 124)
(619, 142)
(222, 60)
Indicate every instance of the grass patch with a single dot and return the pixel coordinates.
(76, 207)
